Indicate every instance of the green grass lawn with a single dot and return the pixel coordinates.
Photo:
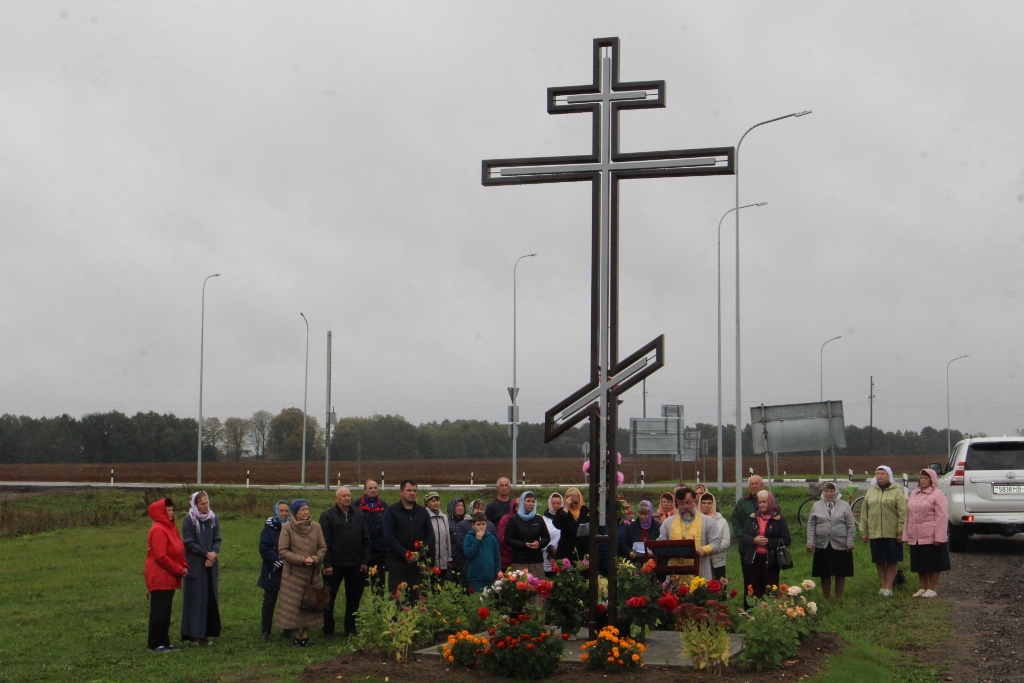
(74, 600)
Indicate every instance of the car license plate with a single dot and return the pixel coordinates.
(1003, 488)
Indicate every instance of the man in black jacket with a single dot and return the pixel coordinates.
(348, 554)
(373, 506)
(409, 537)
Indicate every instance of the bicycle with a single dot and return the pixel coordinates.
(815, 488)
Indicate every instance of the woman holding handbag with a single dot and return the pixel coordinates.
(302, 548)
(766, 537)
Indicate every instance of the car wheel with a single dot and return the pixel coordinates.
(957, 538)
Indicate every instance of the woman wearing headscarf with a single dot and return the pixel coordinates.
(831, 530)
(666, 507)
(506, 549)
(763, 532)
(634, 535)
(302, 547)
(200, 609)
(270, 573)
(456, 515)
(527, 535)
(568, 521)
(926, 532)
(709, 508)
(554, 505)
(882, 516)
(165, 567)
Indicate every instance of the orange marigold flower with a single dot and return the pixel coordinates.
(636, 658)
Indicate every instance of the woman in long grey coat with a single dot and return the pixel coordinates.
(302, 547)
(831, 530)
(200, 608)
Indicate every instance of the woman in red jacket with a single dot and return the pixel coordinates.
(165, 567)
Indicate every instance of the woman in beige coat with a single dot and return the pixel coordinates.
(302, 548)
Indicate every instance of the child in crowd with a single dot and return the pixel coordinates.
(483, 556)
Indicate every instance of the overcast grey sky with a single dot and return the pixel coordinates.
(325, 158)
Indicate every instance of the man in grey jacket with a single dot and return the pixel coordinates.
(348, 554)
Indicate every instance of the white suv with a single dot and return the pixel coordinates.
(984, 485)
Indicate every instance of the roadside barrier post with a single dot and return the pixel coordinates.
(470, 478)
(643, 479)
(382, 478)
(247, 479)
(111, 477)
(339, 480)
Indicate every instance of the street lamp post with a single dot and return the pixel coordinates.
(821, 388)
(202, 326)
(305, 393)
(739, 402)
(720, 480)
(513, 391)
(949, 443)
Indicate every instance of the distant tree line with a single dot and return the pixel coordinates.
(151, 437)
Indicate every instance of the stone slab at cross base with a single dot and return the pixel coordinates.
(663, 649)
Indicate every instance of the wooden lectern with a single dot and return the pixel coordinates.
(675, 557)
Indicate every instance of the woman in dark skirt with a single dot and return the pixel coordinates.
(882, 516)
(925, 531)
(831, 530)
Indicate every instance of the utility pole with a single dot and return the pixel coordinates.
(871, 415)
(330, 413)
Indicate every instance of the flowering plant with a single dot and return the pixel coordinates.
(511, 591)
(638, 595)
(464, 650)
(778, 622)
(563, 606)
(522, 648)
(612, 653)
(699, 600)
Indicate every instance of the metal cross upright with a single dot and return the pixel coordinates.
(603, 168)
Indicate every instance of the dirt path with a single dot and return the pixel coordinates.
(986, 587)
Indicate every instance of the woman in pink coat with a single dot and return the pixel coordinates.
(925, 531)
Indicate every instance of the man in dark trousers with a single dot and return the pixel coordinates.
(373, 507)
(409, 537)
(745, 506)
(502, 505)
(348, 553)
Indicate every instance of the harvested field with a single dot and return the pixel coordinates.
(543, 471)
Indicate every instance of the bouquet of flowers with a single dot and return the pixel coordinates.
(618, 474)
(511, 591)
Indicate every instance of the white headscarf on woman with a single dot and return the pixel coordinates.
(195, 515)
(874, 480)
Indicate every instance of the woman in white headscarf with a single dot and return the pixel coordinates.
(200, 608)
(882, 517)
(831, 532)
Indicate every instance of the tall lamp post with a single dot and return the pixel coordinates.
(949, 443)
(305, 394)
(202, 326)
(720, 480)
(513, 391)
(739, 402)
(821, 388)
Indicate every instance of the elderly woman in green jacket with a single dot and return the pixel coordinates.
(882, 517)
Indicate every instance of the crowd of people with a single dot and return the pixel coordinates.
(359, 543)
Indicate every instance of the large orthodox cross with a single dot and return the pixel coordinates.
(603, 168)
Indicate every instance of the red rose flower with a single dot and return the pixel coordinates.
(750, 590)
(501, 645)
(601, 609)
(417, 545)
(565, 636)
(408, 555)
(714, 585)
(483, 613)
(733, 593)
(490, 631)
(437, 571)
(529, 646)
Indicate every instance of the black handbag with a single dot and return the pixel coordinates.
(783, 557)
(315, 599)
